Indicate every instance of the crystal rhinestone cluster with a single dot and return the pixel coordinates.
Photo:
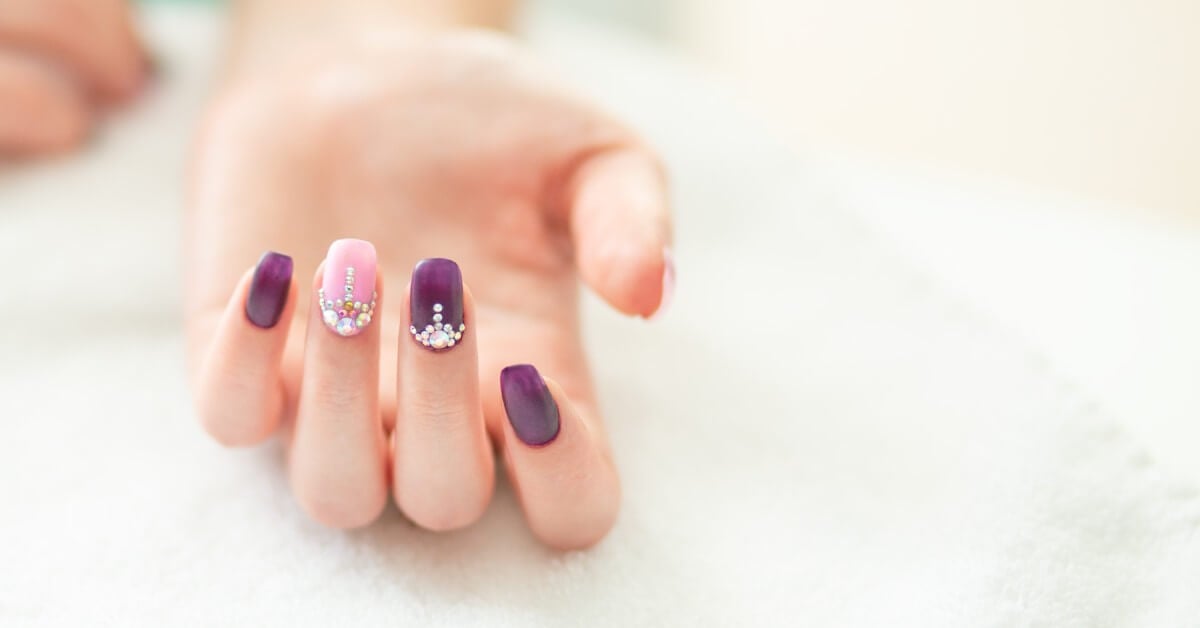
(437, 335)
(345, 315)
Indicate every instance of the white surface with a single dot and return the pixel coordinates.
(816, 435)
(1108, 295)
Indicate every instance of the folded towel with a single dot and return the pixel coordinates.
(815, 435)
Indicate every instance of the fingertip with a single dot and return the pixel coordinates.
(567, 485)
(621, 226)
(666, 292)
(635, 278)
(239, 391)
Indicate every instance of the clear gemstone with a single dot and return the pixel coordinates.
(458, 335)
(439, 339)
(437, 318)
(330, 317)
(362, 319)
(437, 307)
(345, 326)
(448, 327)
(462, 327)
(429, 328)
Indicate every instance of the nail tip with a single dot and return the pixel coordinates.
(269, 289)
(530, 408)
(667, 294)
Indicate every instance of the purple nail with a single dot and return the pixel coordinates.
(435, 304)
(529, 405)
(269, 289)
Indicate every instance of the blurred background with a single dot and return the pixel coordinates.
(1038, 157)
(1098, 99)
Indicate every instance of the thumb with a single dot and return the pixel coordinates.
(621, 228)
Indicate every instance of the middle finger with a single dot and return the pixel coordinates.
(338, 460)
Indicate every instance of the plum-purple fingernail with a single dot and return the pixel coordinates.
(269, 289)
(435, 304)
(530, 407)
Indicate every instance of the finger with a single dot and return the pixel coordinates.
(239, 393)
(93, 39)
(567, 485)
(443, 471)
(40, 111)
(621, 226)
(338, 457)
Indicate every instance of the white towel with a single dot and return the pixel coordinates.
(816, 435)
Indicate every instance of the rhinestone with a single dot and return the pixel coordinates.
(437, 318)
(412, 330)
(439, 340)
(330, 317)
(448, 327)
(362, 319)
(437, 307)
(345, 326)
(462, 327)
(429, 328)
(458, 335)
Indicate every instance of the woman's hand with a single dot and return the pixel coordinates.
(427, 143)
(61, 63)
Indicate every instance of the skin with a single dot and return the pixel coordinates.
(429, 139)
(62, 64)
(405, 123)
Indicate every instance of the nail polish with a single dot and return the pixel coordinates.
(436, 304)
(668, 284)
(347, 293)
(269, 289)
(530, 407)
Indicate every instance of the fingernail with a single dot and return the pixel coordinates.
(435, 304)
(529, 405)
(668, 284)
(347, 292)
(269, 289)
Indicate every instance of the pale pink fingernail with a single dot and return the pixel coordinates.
(668, 284)
(347, 292)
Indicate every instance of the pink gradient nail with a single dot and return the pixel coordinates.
(347, 293)
(668, 284)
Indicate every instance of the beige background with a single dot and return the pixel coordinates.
(1095, 98)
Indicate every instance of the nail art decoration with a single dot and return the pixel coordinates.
(347, 294)
(436, 304)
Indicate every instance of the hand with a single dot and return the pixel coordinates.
(61, 63)
(448, 144)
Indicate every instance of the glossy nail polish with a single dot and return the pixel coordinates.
(436, 304)
(668, 284)
(529, 405)
(347, 293)
(269, 289)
